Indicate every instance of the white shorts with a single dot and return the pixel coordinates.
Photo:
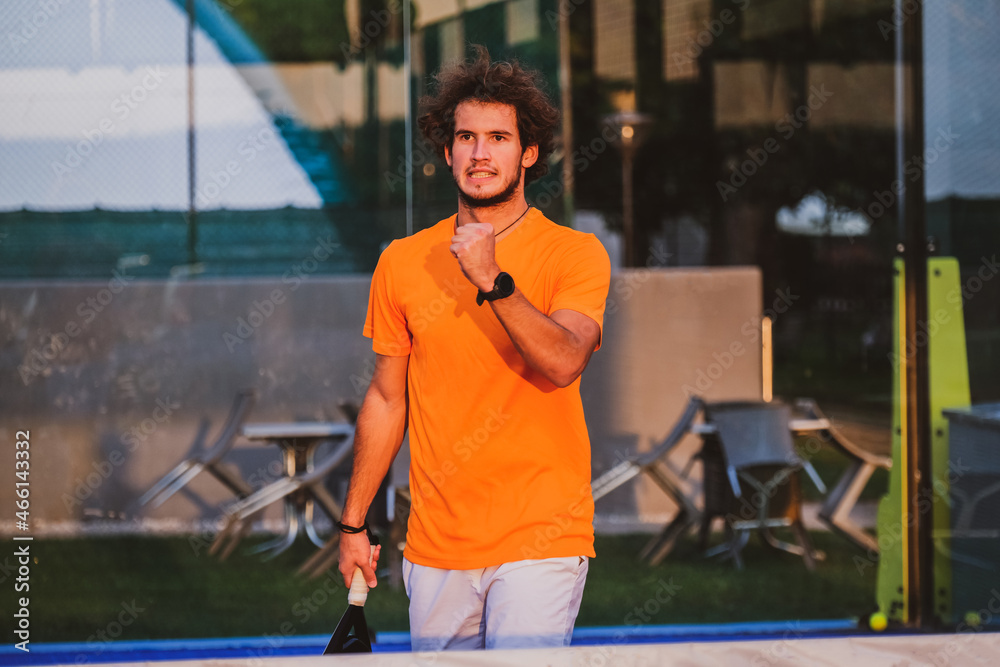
(524, 604)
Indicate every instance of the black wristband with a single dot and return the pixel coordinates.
(351, 530)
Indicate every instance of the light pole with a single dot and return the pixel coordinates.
(630, 131)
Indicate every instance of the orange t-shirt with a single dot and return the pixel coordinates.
(500, 457)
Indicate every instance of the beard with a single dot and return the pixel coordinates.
(502, 197)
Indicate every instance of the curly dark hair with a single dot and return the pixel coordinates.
(483, 80)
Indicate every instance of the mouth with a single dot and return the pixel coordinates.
(481, 174)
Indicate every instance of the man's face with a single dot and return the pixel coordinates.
(486, 157)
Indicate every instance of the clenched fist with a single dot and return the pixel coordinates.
(473, 245)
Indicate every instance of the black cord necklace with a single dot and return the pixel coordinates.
(513, 223)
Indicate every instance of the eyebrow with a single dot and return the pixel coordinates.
(500, 132)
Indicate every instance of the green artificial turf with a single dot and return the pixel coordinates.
(773, 586)
(131, 588)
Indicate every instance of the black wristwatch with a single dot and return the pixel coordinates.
(503, 286)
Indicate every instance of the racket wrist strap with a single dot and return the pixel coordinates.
(350, 530)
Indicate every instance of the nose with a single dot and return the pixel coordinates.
(480, 151)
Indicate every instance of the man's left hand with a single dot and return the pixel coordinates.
(473, 245)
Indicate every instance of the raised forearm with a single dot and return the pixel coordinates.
(559, 353)
(558, 345)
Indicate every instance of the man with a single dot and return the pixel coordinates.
(482, 325)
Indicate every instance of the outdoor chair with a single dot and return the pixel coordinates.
(653, 464)
(209, 460)
(752, 478)
(836, 510)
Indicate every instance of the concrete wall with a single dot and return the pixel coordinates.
(667, 333)
(119, 380)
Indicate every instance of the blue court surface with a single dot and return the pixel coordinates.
(276, 646)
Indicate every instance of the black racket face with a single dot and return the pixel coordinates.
(351, 635)
(355, 645)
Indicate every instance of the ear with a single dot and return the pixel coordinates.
(529, 156)
(447, 155)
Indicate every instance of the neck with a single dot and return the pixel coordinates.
(499, 216)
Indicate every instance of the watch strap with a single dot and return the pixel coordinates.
(497, 292)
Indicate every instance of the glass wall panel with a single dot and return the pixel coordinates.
(764, 135)
(224, 151)
(94, 119)
(962, 170)
(961, 167)
(772, 129)
(296, 130)
(278, 133)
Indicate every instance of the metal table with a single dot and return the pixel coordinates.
(298, 442)
(794, 425)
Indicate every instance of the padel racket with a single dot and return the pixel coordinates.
(351, 635)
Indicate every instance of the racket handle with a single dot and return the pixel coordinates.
(359, 587)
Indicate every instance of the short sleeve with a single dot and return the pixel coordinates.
(385, 322)
(584, 275)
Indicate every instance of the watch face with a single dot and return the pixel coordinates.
(504, 284)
